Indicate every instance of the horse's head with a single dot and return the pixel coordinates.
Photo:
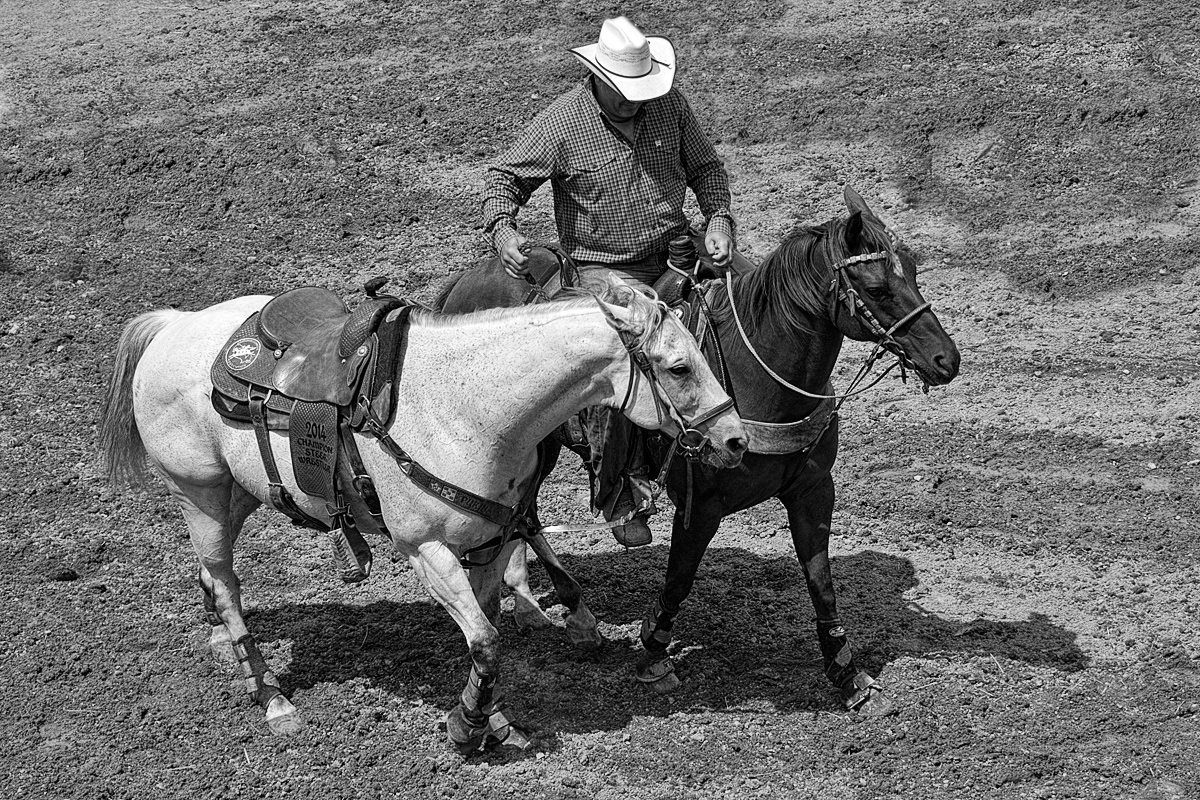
(875, 295)
(670, 385)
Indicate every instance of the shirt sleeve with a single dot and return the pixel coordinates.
(525, 166)
(705, 172)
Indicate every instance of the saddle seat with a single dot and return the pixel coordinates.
(320, 345)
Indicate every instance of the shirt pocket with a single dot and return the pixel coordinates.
(597, 179)
(659, 159)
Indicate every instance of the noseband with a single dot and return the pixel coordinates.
(690, 441)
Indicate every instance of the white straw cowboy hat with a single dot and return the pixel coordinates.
(639, 67)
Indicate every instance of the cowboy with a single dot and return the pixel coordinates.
(620, 150)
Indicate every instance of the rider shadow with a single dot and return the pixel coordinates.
(745, 636)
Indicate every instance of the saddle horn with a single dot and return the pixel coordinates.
(373, 286)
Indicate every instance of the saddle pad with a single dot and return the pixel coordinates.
(277, 419)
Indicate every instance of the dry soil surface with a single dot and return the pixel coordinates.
(1016, 552)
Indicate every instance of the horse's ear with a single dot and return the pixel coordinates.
(854, 229)
(622, 319)
(856, 205)
(854, 202)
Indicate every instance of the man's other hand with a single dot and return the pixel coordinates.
(512, 256)
(720, 246)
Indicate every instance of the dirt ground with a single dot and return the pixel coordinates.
(1016, 553)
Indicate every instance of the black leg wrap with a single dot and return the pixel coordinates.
(260, 683)
(480, 719)
(836, 652)
(478, 695)
(656, 627)
(859, 690)
(210, 605)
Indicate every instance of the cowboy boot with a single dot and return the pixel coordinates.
(635, 502)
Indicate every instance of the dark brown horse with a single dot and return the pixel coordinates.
(781, 327)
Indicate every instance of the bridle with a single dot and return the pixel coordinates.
(843, 293)
(690, 441)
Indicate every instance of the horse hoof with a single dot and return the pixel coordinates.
(877, 705)
(497, 732)
(282, 717)
(582, 629)
(867, 698)
(665, 685)
(465, 737)
(659, 676)
(531, 621)
(286, 725)
(585, 638)
(514, 739)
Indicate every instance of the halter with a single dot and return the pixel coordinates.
(690, 441)
(843, 292)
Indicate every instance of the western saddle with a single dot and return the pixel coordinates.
(308, 365)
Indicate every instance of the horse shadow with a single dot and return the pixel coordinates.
(745, 636)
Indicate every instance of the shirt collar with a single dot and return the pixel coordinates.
(594, 104)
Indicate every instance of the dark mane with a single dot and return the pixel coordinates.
(791, 286)
(788, 288)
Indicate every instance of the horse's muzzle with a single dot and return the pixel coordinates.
(727, 455)
(942, 367)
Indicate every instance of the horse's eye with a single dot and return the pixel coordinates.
(878, 293)
(680, 370)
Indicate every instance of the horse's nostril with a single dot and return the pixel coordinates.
(947, 363)
(737, 445)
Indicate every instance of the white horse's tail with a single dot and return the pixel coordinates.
(120, 442)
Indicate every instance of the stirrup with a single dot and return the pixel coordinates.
(353, 563)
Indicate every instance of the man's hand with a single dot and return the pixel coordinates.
(512, 256)
(720, 246)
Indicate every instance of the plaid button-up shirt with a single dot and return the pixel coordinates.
(615, 201)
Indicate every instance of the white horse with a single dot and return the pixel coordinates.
(477, 393)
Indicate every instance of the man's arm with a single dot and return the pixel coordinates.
(525, 166)
(708, 180)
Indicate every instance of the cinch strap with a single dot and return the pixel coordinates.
(279, 496)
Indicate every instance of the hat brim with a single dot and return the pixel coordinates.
(655, 83)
